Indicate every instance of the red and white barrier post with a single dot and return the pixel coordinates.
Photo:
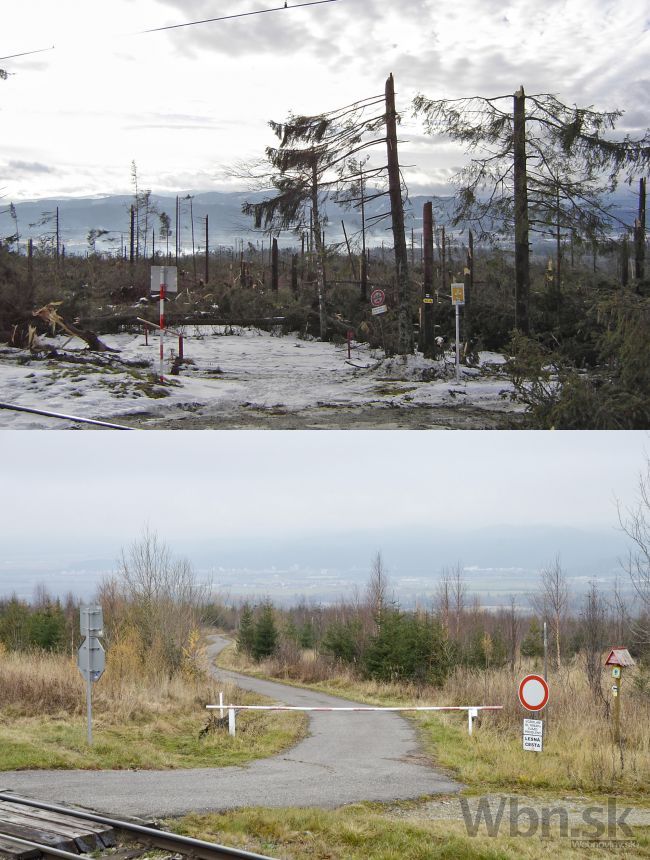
(163, 281)
(162, 322)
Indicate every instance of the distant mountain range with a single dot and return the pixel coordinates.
(497, 561)
(227, 225)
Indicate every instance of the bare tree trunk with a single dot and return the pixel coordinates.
(427, 284)
(207, 253)
(294, 274)
(30, 272)
(405, 326)
(320, 252)
(443, 262)
(58, 236)
(639, 235)
(558, 247)
(625, 262)
(178, 227)
(274, 266)
(554, 600)
(594, 617)
(514, 633)
(522, 252)
(364, 263)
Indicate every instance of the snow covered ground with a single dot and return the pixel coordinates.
(237, 378)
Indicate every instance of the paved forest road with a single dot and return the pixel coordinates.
(348, 757)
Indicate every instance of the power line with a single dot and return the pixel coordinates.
(27, 53)
(240, 15)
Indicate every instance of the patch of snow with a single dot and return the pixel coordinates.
(230, 368)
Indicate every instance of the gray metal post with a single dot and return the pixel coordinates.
(89, 710)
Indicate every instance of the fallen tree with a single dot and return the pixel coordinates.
(24, 333)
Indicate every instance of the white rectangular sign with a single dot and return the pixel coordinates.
(533, 734)
(166, 275)
(380, 310)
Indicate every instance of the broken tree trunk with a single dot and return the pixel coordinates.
(522, 251)
(428, 342)
(51, 316)
(405, 325)
(639, 235)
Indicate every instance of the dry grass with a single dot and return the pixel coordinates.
(138, 721)
(366, 832)
(579, 752)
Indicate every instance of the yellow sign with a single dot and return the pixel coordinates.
(428, 300)
(458, 294)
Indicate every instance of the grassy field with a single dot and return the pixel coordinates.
(373, 832)
(138, 722)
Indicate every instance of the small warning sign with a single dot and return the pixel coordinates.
(458, 294)
(533, 735)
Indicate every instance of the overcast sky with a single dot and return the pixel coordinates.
(185, 104)
(242, 501)
(73, 485)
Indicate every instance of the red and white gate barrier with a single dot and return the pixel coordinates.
(472, 710)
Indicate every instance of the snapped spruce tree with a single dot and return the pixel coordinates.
(537, 165)
(318, 158)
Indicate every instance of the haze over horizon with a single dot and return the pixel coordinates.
(303, 514)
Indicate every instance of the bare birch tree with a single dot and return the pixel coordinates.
(162, 594)
(635, 523)
(593, 618)
(553, 601)
(513, 631)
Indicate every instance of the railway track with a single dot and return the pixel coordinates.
(30, 829)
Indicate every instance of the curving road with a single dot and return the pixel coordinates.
(348, 757)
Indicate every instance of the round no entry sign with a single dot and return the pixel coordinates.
(377, 298)
(533, 692)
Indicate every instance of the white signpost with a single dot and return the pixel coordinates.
(164, 279)
(457, 299)
(91, 657)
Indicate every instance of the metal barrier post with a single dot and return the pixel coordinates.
(221, 705)
(472, 713)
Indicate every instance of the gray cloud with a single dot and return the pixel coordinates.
(273, 32)
(28, 167)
